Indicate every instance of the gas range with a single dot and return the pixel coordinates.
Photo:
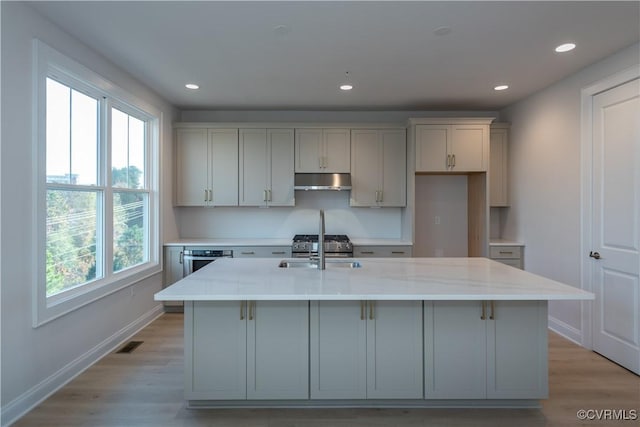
(335, 246)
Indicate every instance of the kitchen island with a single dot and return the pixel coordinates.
(378, 332)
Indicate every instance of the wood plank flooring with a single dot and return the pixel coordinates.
(144, 388)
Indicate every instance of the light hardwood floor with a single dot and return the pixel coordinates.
(144, 388)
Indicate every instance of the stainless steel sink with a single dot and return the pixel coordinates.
(330, 263)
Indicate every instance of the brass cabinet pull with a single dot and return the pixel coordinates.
(242, 303)
(211, 195)
(181, 259)
(278, 252)
(453, 160)
(506, 252)
(367, 252)
(397, 252)
(362, 315)
(484, 311)
(248, 253)
(264, 195)
(493, 309)
(268, 195)
(371, 313)
(206, 195)
(252, 308)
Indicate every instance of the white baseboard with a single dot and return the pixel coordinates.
(18, 407)
(566, 330)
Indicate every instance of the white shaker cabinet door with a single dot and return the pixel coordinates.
(517, 350)
(366, 167)
(338, 362)
(278, 350)
(308, 150)
(254, 151)
(266, 167)
(216, 350)
(192, 165)
(469, 148)
(454, 350)
(223, 170)
(336, 151)
(432, 151)
(281, 167)
(393, 151)
(394, 350)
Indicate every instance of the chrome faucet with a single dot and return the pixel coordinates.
(321, 263)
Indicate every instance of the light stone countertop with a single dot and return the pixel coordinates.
(504, 242)
(230, 242)
(233, 279)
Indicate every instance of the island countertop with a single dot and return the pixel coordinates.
(233, 279)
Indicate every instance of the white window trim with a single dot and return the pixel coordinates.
(47, 62)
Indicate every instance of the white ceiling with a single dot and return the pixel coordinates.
(293, 55)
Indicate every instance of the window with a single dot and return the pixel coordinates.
(97, 156)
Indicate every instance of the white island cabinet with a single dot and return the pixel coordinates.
(366, 349)
(500, 351)
(238, 350)
(359, 334)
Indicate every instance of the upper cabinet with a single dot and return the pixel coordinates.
(206, 167)
(322, 150)
(378, 167)
(498, 191)
(266, 167)
(453, 145)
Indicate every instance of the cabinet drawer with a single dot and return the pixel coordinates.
(498, 252)
(262, 252)
(382, 251)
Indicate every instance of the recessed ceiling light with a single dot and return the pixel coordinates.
(566, 47)
(347, 84)
(501, 87)
(192, 86)
(281, 30)
(442, 31)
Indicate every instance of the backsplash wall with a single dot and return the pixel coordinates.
(284, 222)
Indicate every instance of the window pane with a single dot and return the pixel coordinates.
(127, 150)
(58, 132)
(72, 225)
(130, 229)
(84, 139)
(136, 153)
(119, 148)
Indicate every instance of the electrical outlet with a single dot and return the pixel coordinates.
(437, 220)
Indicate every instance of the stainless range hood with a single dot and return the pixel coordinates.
(322, 181)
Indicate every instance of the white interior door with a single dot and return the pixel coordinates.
(616, 222)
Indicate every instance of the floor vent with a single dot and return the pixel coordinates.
(130, 346)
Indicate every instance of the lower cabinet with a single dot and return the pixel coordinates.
(262, 251)
(239, 350)
(499, 350)
(366, 350)
(382, 251)
(336, 351)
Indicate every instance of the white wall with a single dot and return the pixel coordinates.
(36, 361)
(444, 197)
(284, 222)
(544, 166)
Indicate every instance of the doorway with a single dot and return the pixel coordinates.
(611, 209)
